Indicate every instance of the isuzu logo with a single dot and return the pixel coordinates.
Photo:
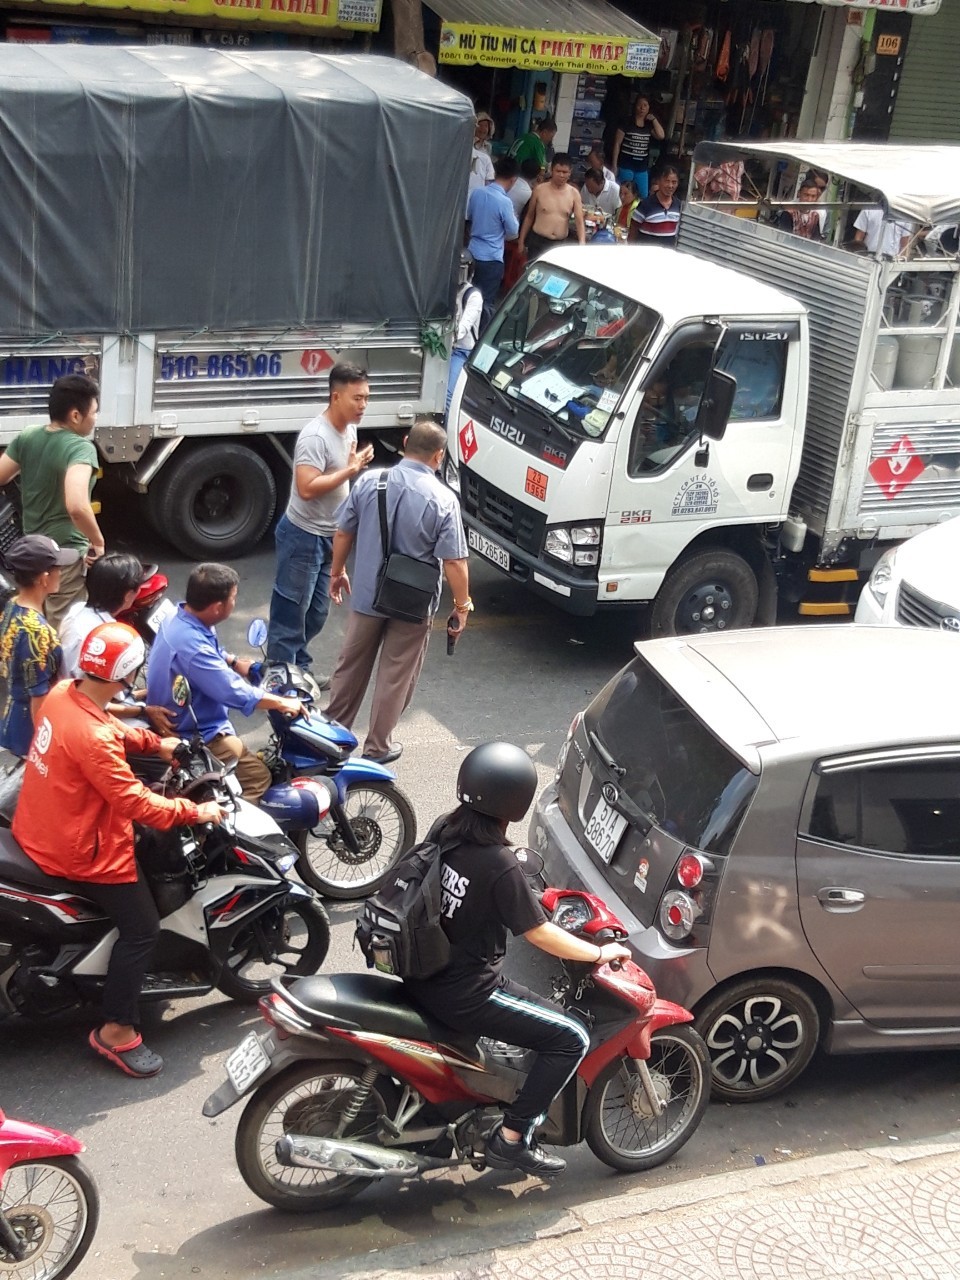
(950, 623)
(508, 431)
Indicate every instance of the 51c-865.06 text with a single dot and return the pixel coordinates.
(221, 364)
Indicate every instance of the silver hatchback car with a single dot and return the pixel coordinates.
(775, 816)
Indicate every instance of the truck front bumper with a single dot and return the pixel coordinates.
(572, 594)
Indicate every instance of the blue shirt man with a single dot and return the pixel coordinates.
(424, 522)
(187, 645)
(492, 220)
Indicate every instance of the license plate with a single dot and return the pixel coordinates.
(247, 1063)
(604, 829)
(489, 550)
(165, 609)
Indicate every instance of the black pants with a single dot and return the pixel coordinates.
(521, 1017)
(488, 277)
(132, 909)
(537, 246)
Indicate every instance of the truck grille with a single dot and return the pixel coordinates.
(914, 609)
(501, 513)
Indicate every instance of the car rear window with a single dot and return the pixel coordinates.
(675, 770)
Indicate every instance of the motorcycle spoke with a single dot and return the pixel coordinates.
(625, 1103)
(312, 1108)
(45, 1207)
(379, 831)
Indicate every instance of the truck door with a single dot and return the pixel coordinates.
(666, 489)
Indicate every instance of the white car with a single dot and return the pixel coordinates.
(916, 584)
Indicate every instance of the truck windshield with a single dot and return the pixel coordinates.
(674, 769)
(565, 345)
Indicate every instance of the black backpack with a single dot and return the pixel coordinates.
(399, 929)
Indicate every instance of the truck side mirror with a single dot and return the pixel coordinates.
(716, 404)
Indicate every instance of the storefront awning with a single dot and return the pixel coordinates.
(918, 182)
(587, 36)
(888, 6)
(354, 15)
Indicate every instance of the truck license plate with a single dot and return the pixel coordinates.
(247, 1062)
(604, 829)
(489, 550)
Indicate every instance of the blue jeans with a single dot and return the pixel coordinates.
(640, 176)
(458, 358)
(301, 593)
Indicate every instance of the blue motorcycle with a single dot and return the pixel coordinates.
(349, 852)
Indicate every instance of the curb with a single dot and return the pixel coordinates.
(754, 1185)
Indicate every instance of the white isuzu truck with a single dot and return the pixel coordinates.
(604, 457)
(207, 232)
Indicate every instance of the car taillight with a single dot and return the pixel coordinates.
(678, 913)
(690, 870)
(564, 750)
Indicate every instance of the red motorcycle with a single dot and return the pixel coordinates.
(353, 1083)
(49, 1206)
(150, 606)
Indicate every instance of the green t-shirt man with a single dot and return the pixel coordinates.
(533, 145)
(43, 455)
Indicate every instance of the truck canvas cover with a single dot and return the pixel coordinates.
(151, 189)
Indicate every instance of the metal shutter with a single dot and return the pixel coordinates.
(928, 101)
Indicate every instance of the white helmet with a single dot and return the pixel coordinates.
(112, 651)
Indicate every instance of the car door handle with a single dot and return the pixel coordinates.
(759, 480)
(837, 898)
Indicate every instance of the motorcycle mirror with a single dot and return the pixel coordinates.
(531, 864)
(181, 691)
(257, 633)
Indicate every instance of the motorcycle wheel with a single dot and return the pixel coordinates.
(620, 1127)
(53, 1206)
(292, 938)
(385, 826)
(308, 1098)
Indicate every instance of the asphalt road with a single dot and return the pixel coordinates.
(173, 1202)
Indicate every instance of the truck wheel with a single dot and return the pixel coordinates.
(213, 502)
(712, 590)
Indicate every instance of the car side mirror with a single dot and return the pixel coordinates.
(716, 405)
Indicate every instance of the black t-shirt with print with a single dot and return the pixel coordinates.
(485, 896)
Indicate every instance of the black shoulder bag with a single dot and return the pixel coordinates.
(405, 586)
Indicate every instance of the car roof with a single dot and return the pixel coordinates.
(816, 690)
(674, 283)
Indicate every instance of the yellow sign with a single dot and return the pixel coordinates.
(464, 44)
(353, 15)
(888, 44)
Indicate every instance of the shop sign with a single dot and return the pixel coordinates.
(463, 44)
(354, 15)
(895, 6)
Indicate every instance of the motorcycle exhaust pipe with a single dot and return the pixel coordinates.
(350, 1159)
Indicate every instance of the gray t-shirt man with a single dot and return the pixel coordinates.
(320, 445)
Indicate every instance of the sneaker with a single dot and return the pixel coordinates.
(501, 1154)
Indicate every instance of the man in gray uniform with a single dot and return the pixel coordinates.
(325, 459)
(424, 520)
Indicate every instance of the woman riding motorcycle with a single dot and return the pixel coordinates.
(485, 895)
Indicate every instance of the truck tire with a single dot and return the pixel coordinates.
(712, 590)
(213, 502)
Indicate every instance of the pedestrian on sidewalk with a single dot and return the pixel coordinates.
(424, 523)
(57, 465)
(30, 654)
(325, 460)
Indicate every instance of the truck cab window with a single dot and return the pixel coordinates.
(665, 422)
(758, 361)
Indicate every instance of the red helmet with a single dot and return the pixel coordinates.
(112, 651)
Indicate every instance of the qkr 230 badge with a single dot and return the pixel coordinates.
(698, 496)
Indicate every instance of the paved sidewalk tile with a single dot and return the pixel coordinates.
(868, 1219)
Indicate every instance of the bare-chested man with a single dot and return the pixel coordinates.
(547, 220)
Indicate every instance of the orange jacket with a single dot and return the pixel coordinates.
(79, 799)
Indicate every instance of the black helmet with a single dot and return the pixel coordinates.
(497, 779)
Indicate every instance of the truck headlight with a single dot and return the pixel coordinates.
(882, 576)
(558, 545)
(451, 474)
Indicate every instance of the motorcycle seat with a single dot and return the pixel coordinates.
(16, 866)
(374, 1003)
